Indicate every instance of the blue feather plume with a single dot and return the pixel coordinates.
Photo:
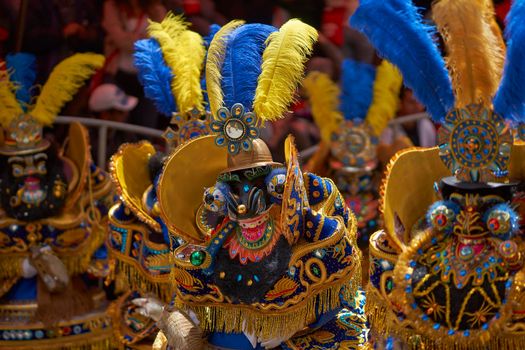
(357, 89)
(154, 75)
(242, 63)
(509, 101)
(22, 72)
(395, 28)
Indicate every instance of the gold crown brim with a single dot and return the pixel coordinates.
(14, 150)
(129, 171)
(407, 189)
(191, 167)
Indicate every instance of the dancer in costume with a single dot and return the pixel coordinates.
(53, 205)
(447, 270)
(170, 66)
(281, 267)
(351, 121)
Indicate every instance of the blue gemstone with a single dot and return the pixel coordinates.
(434, 240)
(479, 269)
(412, 264)
(256, 278)
(485, 327)
(446, 260)
(436, 326)
(438, 254)
(239, 278)
(408, 289)
(486, 265)
(246, 188)
(466, 333)
(496, 316)
(462, 272)
(508, 284)
(407, 276)
(424, 317)
(414, 306)
(492, 259)
(460, 285)
(451, 332)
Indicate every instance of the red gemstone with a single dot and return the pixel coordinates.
(494, 224)
(441, 220)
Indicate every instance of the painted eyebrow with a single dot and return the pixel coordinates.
(40, 156)
(15, 159)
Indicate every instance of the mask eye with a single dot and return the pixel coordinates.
(41, 168)
(215, 198)
(18, 170)
(501, 220)
(275, 182)
(441, 215)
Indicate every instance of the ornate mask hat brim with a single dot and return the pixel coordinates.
(183, 180)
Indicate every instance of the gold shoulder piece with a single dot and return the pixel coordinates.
(295, 199)
(77, 150)
(407, 192)
(190, 168)
(130, 174)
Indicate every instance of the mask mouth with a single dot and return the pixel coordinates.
(254, 206)
(32, 183)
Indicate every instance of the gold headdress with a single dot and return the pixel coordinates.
(351, 120)
(252, 72)
(22, 123)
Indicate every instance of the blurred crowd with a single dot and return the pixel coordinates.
(54, 29)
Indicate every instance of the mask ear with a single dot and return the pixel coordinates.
(502, 220)
(215, 197)
(275, 182)
(442, 214)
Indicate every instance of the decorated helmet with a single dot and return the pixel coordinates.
(446, 271)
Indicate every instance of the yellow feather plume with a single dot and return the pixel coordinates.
(385, 100)
(473, 56)
(63, 83)
(323, 95)
(9, 106)
(214, 63)
(184, 52)
(282, 68)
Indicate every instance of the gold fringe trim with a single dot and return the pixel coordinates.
(384, 324)
(267, 325)
(128, 273)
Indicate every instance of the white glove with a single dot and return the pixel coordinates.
(149, 307)
(28, 270)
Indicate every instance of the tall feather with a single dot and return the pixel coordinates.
(214, 29)
(396, 30)
(357, 82)
(509, 101)
(282, 68)
(385, 102)
(184, 53)
(323, 95)
(154, 75)
(22, 72)
(9, 106)
(63, 83)
(472, 50)
(214, 63)
(242, 63)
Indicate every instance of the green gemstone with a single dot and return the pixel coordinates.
(197, 258)
(389, 284)
(316, 270)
